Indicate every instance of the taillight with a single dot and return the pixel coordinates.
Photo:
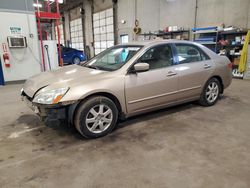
(230, 65)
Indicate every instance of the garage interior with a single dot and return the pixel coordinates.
(182, 146)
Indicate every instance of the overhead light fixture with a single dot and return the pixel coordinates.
(38, 5)
(59, 1)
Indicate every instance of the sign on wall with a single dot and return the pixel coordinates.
(15, 30)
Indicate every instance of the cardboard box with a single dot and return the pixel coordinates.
(236, 61)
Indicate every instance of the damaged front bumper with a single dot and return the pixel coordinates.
(60, 111)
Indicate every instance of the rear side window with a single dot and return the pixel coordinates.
(189, 53)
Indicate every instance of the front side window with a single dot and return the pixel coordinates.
(189, 53)
(114, 58)
(158, 57)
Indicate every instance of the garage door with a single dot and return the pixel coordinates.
(76, 34)
(61, 34)
(103, 30)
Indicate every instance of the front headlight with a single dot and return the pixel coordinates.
(50, 97)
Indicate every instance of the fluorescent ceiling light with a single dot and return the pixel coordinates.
(37, 5)
(59, 1)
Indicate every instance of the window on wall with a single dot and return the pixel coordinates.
(124, 39)
(61, 34)
(103, 30)
(76, 34)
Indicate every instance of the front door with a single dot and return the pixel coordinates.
(155, 87)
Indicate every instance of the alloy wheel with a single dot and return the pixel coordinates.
(99, 118)
(212, 92)
(76, 60)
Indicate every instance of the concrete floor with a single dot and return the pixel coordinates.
(184, 146)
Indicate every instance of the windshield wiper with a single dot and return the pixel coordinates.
(92, 67)
(106, 69)
(98, 68)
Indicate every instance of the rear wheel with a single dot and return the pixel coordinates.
(96, 117)
(211, 92)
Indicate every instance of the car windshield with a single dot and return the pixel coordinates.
(113, 58)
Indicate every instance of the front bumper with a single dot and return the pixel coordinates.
(51, 112)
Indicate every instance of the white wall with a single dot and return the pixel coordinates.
(229, 12)
(100, 5)
(248, 25)
(148, 15)
(25, 62)
(178, 12)
(126, 11)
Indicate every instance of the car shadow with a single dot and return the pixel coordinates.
(61, 136)
(156, 114)
(64, 130)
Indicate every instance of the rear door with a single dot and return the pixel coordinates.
(194, 68)
(155, 87)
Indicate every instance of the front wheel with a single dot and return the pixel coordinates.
(76, 60)
(211, 92)
(96, 117)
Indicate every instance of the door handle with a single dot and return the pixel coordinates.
(171, 73)
(207, 66)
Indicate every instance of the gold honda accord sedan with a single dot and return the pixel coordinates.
(126, 80)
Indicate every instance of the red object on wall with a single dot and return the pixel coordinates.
(6, 57)
(6, 60)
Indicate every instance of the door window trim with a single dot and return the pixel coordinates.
(172, 46)
(192, 45)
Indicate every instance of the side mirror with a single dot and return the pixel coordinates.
(141, 67)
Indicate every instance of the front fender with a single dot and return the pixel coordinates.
(113, 86)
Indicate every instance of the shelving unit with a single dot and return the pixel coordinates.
(146, 36)
(233, 47)
(180, 35)
(207, 36)
(229, 41)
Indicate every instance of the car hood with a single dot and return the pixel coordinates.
(63, 77)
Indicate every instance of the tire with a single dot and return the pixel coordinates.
(76, 60)
(211, 92)
(96, 117)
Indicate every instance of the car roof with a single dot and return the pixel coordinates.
(162, 41)
(157, 41)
